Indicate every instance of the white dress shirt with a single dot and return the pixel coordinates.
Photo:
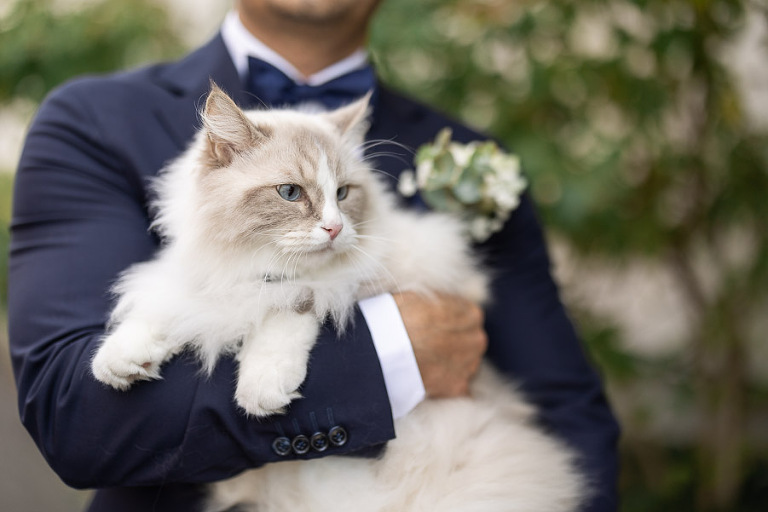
(393, 346)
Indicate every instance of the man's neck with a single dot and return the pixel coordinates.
(308, 48)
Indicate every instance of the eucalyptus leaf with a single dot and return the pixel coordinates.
(444, 171)
(469, 187)
(443, 139)
(441, 200)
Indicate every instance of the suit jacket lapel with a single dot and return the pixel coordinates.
(188, 81)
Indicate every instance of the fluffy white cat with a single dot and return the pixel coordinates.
(273, 223)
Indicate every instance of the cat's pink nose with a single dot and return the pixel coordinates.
(333, 230)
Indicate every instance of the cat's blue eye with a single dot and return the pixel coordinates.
(289, 192)
(342, 192)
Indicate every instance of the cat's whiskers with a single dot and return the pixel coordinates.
(294, 257)
(373, 143)
(372, 156)
(384, 174)
(378, 264)
(362, 273)
(270, 244)
(368, 157)
(275, 257)
(366, 236)
(362, 223)
(284, 273)
(297, 260)
(374, 237)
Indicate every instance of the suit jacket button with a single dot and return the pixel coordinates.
(319, 441)
(338, 436)
(281, 446)
(300, 444)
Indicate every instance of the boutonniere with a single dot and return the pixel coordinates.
(477, 181)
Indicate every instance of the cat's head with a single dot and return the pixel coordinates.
(291, 180)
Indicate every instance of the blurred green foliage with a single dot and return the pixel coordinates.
(42, 44)
(637, 146)
(6, 184)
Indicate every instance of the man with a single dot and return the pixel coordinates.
(80, 217)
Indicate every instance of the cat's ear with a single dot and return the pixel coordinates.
(352, 119)
(228, 129)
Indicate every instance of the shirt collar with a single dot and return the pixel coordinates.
(241, 44)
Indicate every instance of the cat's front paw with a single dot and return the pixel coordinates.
(126, 356)
(267, 390)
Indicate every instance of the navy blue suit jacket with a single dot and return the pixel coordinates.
(80, 217)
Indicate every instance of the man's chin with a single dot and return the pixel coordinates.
(312, 11)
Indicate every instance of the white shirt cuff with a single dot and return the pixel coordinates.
(393, 346)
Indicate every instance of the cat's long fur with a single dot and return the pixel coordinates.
(248, 269)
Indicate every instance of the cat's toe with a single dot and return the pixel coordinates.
(119, 363)
(258, 411)
(120, 374)
(263, 395)
(262, 404)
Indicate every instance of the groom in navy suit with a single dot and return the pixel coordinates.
(80, 217)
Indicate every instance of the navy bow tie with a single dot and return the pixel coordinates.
(270, 86)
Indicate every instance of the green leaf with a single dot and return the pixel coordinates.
(468, 188)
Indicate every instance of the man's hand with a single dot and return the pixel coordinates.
(448, 340)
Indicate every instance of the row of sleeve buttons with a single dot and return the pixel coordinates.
(301, 444)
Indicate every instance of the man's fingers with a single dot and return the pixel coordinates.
(448, 340)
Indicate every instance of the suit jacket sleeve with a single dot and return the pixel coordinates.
(79, 218)
(532, 339)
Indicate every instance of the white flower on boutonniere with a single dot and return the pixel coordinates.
(478, 181)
